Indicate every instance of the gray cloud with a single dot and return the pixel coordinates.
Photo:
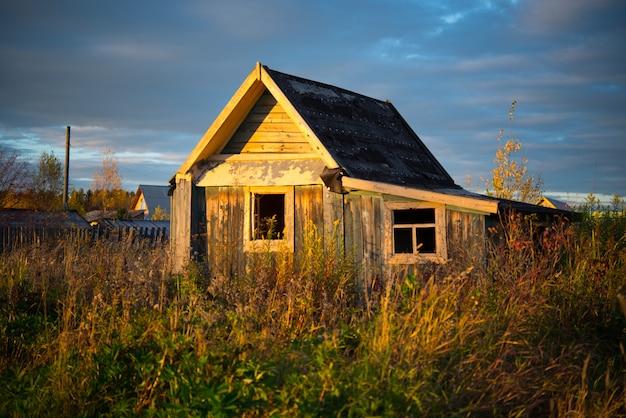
(146, 79)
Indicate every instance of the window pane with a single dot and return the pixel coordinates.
(414, 216)
(403, 240)
(426, 237)
(269, 216)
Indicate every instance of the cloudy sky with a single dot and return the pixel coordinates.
(145, 79)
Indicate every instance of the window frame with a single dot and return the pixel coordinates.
(257, 245)
(440, 253)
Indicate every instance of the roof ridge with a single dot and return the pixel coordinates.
(323, 84)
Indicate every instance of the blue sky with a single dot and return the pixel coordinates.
(145, 79)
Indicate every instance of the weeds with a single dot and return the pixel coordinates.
(106, 329)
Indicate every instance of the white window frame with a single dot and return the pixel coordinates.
(257, 245)
(440, 254)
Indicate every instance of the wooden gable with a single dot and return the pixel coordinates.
(268, 129)
(267, 149)
(258, 124)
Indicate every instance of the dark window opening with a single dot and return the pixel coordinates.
(269, 216)
(414, 216)
(414, 231)
(403, 241)
(425, 237)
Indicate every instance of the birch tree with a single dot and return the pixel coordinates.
(107, 183)
(510, 178)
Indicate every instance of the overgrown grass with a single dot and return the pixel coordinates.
(105, 329)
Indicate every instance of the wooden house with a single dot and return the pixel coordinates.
(149, 198)
(302, 153)
(550, 202)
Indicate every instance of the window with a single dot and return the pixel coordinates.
(416, 232)
(268, 222)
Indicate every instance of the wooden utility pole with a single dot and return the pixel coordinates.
(67, 167)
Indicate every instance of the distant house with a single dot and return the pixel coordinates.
(149, 198)
(296, 152)
(24, 226)
(550, 202)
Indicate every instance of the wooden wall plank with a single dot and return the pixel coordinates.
(268, 129)
(180, 222)
(465, 236)
(332, 209)
(224, 212)
(308, 207)
(212, 214)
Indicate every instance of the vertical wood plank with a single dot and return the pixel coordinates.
(332, 207)
(181, 222)
(308, 202)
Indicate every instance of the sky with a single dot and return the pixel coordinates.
(145, 79)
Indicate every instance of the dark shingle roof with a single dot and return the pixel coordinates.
(505, 205)
(366, 136)
(156, 196)
(26, 218)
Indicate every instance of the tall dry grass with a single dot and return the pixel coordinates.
(105, 328)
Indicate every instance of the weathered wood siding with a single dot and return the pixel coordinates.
(224, 214)
(359, 233)
(225, 224)
(180, 222)
(465, 236)
(364, 235)
(308, 207)
(268, 129)
(358, 218)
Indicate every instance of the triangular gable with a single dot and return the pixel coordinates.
(268, 129)
(153, 197)
(226, 125)
(550, 202)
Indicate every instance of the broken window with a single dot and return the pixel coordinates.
(268, 216)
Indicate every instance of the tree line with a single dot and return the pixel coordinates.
(39, 186)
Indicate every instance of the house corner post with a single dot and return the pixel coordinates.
(180, 219)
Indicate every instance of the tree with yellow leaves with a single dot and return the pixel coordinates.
(510, 178)
(107, 185)
(160, 214)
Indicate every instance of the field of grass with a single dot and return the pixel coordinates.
(106, 329)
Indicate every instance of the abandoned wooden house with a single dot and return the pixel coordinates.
(302, 152)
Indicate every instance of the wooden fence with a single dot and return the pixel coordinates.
(153, 234)
(18, 236)
(12, 237)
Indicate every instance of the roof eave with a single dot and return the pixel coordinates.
(450, 197)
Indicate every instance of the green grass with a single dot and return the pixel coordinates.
(106, 329)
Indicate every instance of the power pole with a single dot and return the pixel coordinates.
(67, 167)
